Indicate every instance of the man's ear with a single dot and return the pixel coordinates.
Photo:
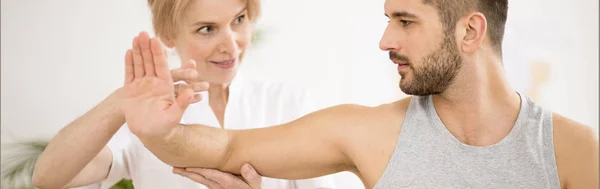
(475, 31)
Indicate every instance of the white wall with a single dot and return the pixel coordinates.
(59, 58)
(563, 34)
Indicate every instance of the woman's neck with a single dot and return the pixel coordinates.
(217, 99)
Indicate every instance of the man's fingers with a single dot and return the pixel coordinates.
(129, 66)
(144, 43)
(138, 62)
(251, 176)
(161, 64)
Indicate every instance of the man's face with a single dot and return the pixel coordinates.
(427, 56)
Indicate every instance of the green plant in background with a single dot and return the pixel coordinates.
(18, 161)
(123, 184)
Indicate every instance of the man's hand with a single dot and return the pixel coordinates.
(151, 106)
(187, 73)
(215, 179)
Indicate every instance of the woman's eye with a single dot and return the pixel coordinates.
(240, 19)
(205, 30)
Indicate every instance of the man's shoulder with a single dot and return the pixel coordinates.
(576, 150)
(393, 107)
(571, 132)
(385, 113)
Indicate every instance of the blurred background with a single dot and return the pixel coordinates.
(62, 57)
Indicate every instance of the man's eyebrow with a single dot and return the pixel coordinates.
(403, 14)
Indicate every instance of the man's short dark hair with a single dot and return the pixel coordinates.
(495, 12)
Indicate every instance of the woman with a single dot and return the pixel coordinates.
(215, 34)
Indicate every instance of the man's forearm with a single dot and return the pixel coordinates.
(284, 151)
(191, 146)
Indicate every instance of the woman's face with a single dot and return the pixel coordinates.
(216, 34)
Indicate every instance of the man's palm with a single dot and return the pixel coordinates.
(150, 105)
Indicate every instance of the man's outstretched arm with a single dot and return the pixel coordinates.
(285, 151)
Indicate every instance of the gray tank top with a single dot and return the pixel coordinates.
(427, 155)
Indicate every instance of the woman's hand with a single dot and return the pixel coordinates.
(215, 179)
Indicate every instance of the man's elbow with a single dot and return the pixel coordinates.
(225, 159)
(204, 148)
(215, 152)
(227, 150)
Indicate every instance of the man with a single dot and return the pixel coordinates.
(465, 127)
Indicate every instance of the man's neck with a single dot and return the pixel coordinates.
(480, 108)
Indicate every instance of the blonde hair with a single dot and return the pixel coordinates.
(167, 15)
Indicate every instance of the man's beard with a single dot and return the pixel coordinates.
(435, 72)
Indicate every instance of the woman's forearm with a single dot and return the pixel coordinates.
(78, 143)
